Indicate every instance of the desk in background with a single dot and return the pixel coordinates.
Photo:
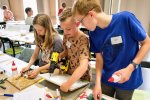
(37, 87)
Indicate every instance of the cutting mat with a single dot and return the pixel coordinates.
(22, 82)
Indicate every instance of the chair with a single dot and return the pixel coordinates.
(59, 30)
(145, 64)
(13, 48)
(26, 55)
(2, 25)
(31, 29)
(86, 31)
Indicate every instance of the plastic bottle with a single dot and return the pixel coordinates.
(115, 78)
(14, 69)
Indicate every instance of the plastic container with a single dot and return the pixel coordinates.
(14, 69)
(115, 78)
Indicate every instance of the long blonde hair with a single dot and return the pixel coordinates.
(44, 21)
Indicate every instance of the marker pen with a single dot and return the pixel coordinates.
(58, 95)
(8, 95)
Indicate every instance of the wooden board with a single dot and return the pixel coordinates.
(22, 82)
(9, 88)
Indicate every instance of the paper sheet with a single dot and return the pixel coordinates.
(4, 57)
(31, 93)
(8, 64)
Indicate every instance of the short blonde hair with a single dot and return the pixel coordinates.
(82, 7)
(65, 14)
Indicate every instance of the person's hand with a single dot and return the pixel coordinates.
(33, 73)
(24, 69)
(97, 93)
(125, 73)
(65, 87)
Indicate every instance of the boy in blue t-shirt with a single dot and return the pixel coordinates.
(115, 41)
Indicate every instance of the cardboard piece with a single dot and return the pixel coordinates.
(59, 79)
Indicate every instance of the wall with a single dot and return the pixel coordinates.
(53, 13)
(69, 3)
(4, 2)
(140, 8)
(43, 6)
(48, 7)
(1, 15)
(17, 9)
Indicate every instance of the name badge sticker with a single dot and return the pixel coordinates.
(68, 44)
(116, 40)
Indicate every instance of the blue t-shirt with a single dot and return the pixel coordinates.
(119, 44)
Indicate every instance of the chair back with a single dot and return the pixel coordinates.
(2, 25)
(12, 49)
(86, 31)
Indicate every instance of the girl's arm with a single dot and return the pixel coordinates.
(34, 56)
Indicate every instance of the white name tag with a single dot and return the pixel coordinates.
(68, 44)
(116, 40)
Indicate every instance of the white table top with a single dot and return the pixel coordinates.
(26, 37)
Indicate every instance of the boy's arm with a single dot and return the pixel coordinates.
(62, 54)
(77, 74)
(145, 46)
(99, 67)
(45, 67)
(126, 72)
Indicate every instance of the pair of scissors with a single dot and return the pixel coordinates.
(83, 95)
(2, 81)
